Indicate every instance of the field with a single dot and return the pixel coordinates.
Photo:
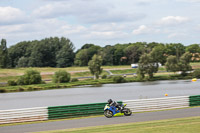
(47, 73)
(181, 125)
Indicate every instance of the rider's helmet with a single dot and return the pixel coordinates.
(110, 101)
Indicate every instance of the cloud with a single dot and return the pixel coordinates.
(108, 35)
(173, 20)
(142, 29)
(177, 35)
(10, 15)
(189, 1)
(92, 12)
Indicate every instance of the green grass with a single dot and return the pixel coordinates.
(181, 125)
(47, 86)
(13, 74)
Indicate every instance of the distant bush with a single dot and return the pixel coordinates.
(11, 83)
(61, 76)
(20, 80)
(119, 79)
(2, 90)
(104, 76)
(74, 80)
(30, 77)
(196, 73)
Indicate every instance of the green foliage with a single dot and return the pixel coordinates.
(65, 56)
(59, 52)
(95, 66)
(30, 77)
(193, 48)
(21, 80)
(158, 54)
(196, 73)
(147, 65)
(22, 49)
(61, 76)
(85, 54)
(183, 64)
(49, 52)
(118, 53)
(176, 49)
(3, 54)
(74, 80)
(81, 58)
(107, 54)
(119, 79)
(104, 76)
(11, 83)
(23, 62)
(133, 52)
(171, 64)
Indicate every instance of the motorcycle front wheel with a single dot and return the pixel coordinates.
(128, 112)
(108, 113)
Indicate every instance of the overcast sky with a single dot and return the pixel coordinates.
(101, 22)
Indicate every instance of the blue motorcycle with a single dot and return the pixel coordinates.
(110, 111)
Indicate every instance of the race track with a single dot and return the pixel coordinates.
(96, 121)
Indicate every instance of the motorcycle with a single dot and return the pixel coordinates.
(110, 111)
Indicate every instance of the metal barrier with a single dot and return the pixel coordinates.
(59, 112)
(194, 100)
(69, 111)
(23, 115)
(141, 105)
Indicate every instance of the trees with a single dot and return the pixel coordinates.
(85, 54)
(183, 64)
(30, 77)
(177, 49)
(61, 76)
(22, 49)
(3, 54)
(118, 53)
(147, 65)
(81, 58)
(193, 48)
(133, 52)
(48, 52)
(65, 56)
(107, 55)
(95, 66)
(171, 64)
(158, 54)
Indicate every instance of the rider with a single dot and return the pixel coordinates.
(115, 104)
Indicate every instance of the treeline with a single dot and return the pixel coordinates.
(60, 52)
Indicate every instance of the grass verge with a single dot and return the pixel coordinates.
(180, 125)
(47, 86)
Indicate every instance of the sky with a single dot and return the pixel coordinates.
(101, 22)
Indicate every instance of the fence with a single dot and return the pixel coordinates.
(157, 103)
(59, 112)
(23, 115)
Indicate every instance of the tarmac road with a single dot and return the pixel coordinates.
(97, 121)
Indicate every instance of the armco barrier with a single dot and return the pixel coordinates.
(194, 100)
(23, 115)
(141, 105)
(58, 112)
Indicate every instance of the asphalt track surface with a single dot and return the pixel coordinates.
(97, 121)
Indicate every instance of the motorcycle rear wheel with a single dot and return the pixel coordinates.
(108, 113)
(128, 112)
